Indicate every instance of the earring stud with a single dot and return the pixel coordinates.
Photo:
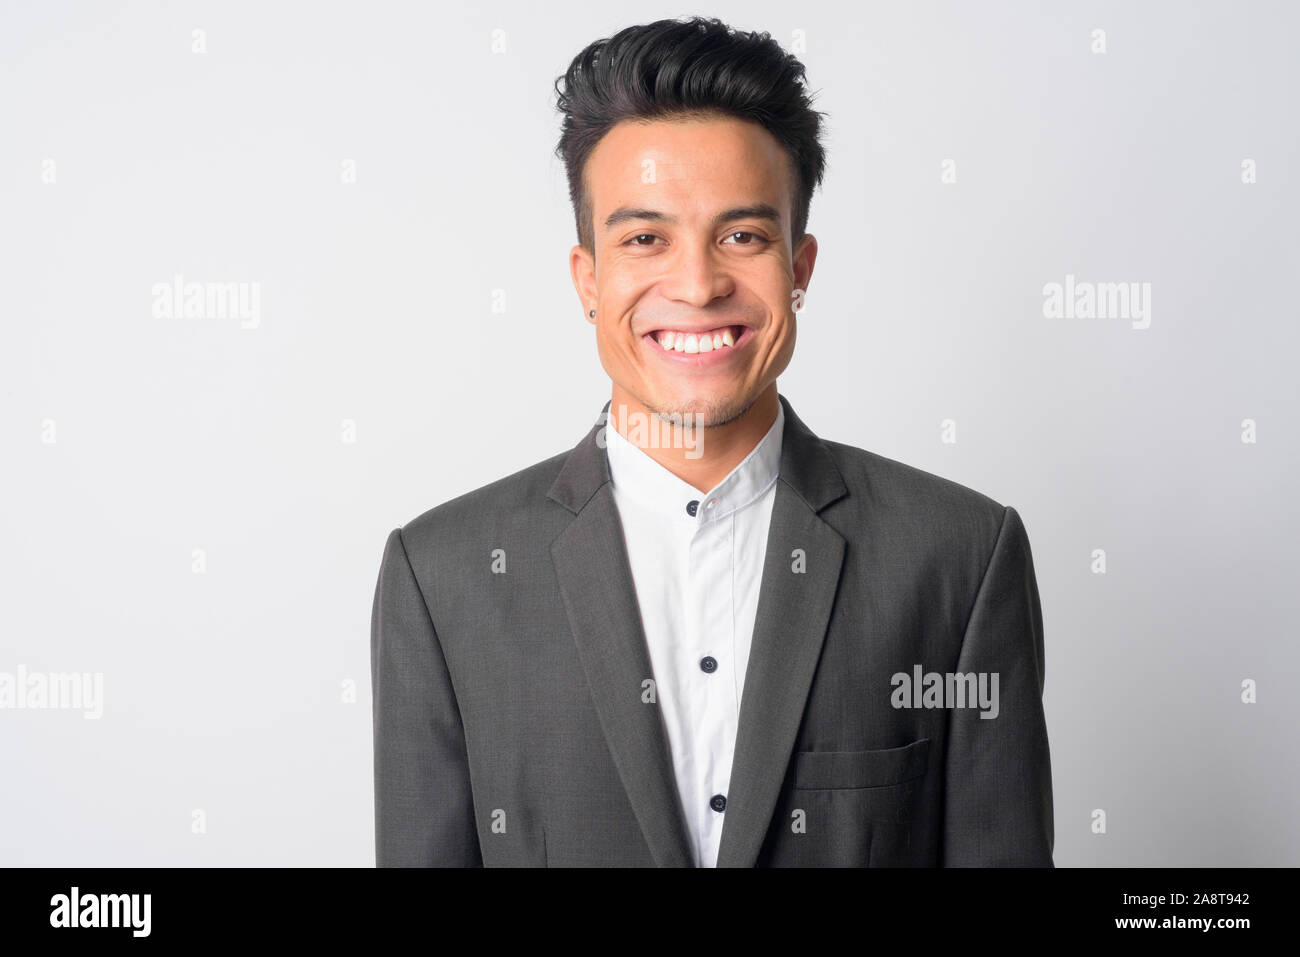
(592, 313)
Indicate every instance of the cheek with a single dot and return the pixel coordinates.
(782, 338)
(783, 320)
(615, 340)
(778, 295)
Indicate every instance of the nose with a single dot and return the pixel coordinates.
(696, 276)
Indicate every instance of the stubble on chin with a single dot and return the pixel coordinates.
(702, 413)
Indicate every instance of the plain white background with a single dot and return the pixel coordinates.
(224, 692)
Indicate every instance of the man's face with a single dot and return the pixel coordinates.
(694, 273)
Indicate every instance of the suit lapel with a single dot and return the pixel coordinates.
(599, 596)
(793, 612)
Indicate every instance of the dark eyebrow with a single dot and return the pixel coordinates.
(757, 211)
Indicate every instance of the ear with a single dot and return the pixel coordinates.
(582, 267)
(805, 257)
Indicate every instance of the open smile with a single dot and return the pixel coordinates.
(705, 347)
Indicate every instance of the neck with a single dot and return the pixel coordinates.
(700, 457)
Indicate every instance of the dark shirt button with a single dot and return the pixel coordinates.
(708, 664)
(718, 803)
(692, 506)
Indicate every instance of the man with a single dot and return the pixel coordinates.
(705, 636)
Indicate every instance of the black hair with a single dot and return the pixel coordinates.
(694, 67)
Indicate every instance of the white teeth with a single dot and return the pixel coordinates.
(692, 343)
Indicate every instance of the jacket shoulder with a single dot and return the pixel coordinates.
(902, 494)
(515, 494)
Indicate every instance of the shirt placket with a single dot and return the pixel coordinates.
(708, 666)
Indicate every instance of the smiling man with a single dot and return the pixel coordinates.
(705, 636)
(691, 274)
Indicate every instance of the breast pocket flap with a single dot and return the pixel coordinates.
(861, 769)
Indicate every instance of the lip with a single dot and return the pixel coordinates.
(700, 360)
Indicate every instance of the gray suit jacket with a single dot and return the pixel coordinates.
(513, 725)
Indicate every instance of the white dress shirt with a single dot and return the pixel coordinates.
(697, 564)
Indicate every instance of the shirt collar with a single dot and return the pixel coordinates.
(642, 479)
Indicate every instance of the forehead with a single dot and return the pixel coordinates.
(688, 161)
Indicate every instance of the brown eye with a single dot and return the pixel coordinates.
(753, 239)
(635, 239)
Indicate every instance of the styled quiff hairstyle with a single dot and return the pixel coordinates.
(688, 68)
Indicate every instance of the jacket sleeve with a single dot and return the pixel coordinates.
(998, 775)
(424, 811)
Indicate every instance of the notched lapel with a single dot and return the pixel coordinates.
(794, 609)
